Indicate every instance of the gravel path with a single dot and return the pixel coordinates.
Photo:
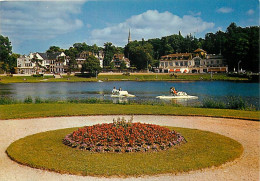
(245, 132)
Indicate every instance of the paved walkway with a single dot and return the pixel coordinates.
(244, 168)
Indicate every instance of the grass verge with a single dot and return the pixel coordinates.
(46, 151)
(19, 111)
(120, 77)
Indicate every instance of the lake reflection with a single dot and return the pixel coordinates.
(144, 91)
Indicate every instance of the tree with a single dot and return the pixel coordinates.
(140, 54)
(91, 65)
(37, 62)
(122, 65)
(54, 49)
(109, 52)
(6, 61)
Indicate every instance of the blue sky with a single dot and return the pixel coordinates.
(34, 26)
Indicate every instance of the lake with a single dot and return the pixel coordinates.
(143, 90)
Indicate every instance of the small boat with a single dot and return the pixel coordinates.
(121, 94)
(179, 95)
(100, 81)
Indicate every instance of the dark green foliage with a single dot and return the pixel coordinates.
(54, 49)
(7, 59)
(89, 101)
(109, 50)
(38, 75)
(28, 100)
(39, 100)
(230, 102)
(139, 53)
(242, 44)
(236, 103)
(210, 103)
(91, 65)
(7, 100)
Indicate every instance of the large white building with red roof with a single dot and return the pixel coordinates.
(197, 62)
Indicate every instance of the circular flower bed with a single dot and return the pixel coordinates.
(123, 137)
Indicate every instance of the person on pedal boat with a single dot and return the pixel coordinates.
(115, 91)
(173, 91)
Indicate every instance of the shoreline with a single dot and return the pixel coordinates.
(108, 77)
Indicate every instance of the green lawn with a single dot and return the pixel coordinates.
(202, 150)
(132, 77)
(17, 111)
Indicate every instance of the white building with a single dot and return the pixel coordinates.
(42, 63)
(197, 62)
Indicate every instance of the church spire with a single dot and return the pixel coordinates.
(129, 36)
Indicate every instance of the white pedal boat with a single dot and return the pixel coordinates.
(122, 94)
(180, 95)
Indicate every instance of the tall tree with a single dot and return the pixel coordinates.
(6, 61)
(54, 49)
(91, 65)
(109, 51)
(37, 63)
(140, 54)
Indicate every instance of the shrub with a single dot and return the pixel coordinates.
(210, 103)
(37, 75)
(7, 100)
(38, 100)
(236, 103)
(28, 100)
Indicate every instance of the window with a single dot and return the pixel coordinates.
(186, 63)
(177, 63)
(162, 64)
(181, 63)
(171, 64)
(197, 61)
(166, 64)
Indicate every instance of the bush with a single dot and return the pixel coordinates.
(28, 100)
(38, 100)
(7, 100)
(236, 103)
(37, 75)
(230, 102)
(210, 103)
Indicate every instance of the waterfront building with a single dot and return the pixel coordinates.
(83, 55)
(42, 63)
(197, 62)
(25, 66)
(118, 59)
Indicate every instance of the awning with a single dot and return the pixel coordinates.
(171, 70)
(177, 70)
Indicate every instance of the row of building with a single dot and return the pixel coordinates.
(197, 62)
(58, 63)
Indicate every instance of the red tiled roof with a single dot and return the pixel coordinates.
(199, 50)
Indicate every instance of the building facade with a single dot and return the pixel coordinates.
(118, 59)
(40, 63)
(83, 55)
(197, 62)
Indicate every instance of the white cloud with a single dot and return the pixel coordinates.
(194, 13)
(150, 24)
(250, 12)
(38, 20)
(225, 10)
